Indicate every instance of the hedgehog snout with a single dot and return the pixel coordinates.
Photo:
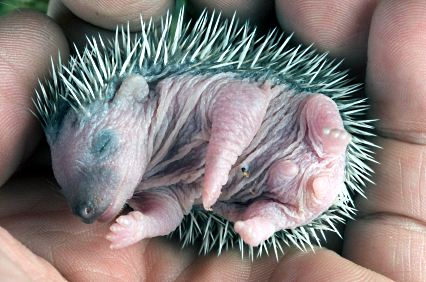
(88, 211)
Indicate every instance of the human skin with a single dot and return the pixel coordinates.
(383, 242)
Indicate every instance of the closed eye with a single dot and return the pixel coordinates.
(104, 143)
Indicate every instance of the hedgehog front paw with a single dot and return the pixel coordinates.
(127, 230)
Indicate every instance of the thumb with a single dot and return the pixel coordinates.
(17, 263)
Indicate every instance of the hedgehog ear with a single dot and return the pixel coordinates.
(133, 87)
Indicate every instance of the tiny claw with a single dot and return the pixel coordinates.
(335, 133)
(239, 225)
(209, 208)
(114, 246)
(209, 200)
(126, 231)
(326, 130)
(137, 215)
(123, 221)
(116, 228)
(335, 140)
(110, 237)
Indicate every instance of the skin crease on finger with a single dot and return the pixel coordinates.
(26, 225)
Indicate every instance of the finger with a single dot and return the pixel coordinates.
(392, 230)
(390, 234)
(38, 217)
(323, 265)
(74, 27)
(396, 69)
(257, 11)
(340, 27)
(108, 14)
(79, 19)
(229, 266)
(17, 263)
(27, 40)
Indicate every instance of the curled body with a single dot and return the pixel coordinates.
(259, 147)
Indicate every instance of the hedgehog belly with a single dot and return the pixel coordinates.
(278, 155)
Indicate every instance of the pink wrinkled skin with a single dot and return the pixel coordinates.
(261, 155)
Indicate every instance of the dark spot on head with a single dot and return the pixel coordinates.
(104, 143)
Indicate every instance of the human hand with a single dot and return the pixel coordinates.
(384, 239)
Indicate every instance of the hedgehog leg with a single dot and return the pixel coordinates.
(325, 126)
(264, 217)
(155, 213)
(253, 228)
(297, 203)
(236, 115)
(298, 195)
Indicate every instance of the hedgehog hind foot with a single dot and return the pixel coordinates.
(262, 218)
(325, 125)
(255, 230)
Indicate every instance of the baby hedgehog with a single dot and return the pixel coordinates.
(207, 129)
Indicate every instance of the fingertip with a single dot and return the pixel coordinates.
(108, 14)
(26, 33)
(340, 27)
(396, 69)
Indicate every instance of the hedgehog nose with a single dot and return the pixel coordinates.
(86, 211)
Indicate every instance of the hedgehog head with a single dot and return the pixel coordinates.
(93, 154)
